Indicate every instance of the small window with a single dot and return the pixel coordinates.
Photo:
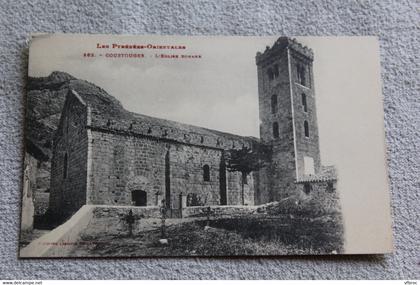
(305, 106)
(206, 173)
(300, 74)
(275, 130)
(330, 187)
(306, 128)
(274, 104)
(307, 188)
(276, 71)
(65, 166)
(309, 82)
(270, 74)
(139, 197)
(245, 179)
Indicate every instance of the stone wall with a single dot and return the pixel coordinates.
(41, 203)
(234, 192)
(276, 181)
(219, 211)
(305, 146)
(187, 174)
(261, 182)
(29, 185)
(120, 164)
(69, 163)
(322, 194)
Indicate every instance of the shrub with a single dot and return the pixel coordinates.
(322, 234)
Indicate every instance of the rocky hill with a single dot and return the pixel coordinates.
(44, 103)
(45, 100)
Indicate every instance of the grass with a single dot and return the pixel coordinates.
(320, 235)
(280, 235)
(188, 239)
(193, 239)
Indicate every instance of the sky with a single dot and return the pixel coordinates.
(219, 91)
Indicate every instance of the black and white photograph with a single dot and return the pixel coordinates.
(164, 146)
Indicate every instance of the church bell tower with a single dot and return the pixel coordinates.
(288, 120)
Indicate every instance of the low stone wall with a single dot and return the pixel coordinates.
(218, 211)
(323, 196)
(112, 219)
(105, 211)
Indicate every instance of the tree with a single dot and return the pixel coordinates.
(246, 160)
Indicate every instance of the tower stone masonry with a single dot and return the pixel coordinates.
(288, 114)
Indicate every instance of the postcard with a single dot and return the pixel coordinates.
(204, 146)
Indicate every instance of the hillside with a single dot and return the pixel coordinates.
(44, 102)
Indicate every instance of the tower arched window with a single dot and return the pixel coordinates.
(275, 130)
(305, 106)
(275, 71)
(307, 188)
(65, 165)
(270, 74)
(274, 104)
(206, 172)
(300, 74)
(306, 128)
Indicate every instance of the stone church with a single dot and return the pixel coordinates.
(105, 155)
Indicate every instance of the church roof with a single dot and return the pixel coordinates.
(107, 114)
(327, 173)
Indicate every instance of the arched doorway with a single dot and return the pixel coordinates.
(139, 197)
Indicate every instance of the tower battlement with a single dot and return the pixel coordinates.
(280, 45)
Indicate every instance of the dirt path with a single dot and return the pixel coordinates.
(27, 238)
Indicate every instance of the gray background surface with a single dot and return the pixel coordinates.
(396, 23)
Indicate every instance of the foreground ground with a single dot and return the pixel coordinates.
(224, 237)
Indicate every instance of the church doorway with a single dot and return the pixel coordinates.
(139, 197)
